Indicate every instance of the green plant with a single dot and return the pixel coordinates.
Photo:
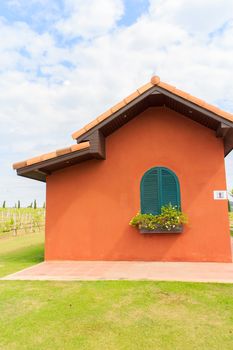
(170, 218)
(229, 203)
(21, 219)
(148, 221)
(7, 225)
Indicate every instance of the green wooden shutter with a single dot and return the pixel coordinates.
(170, 192)
(159, 187)
(150, 203)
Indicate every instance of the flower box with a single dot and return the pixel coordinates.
(177, 229)
(170, 220)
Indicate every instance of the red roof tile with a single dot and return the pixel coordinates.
(57, 153)
(155, 81)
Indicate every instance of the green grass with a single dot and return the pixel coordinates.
(17, 253)
(114, 315)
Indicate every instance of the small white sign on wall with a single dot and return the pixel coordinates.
(220, 195)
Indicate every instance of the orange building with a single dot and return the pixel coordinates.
(96, 186)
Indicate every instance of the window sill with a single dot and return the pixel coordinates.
(178, 229)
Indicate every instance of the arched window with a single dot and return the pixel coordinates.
(159, 187)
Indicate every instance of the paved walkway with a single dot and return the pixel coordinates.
(126, 270)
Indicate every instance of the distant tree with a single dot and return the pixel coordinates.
(15, 206)
(44, 205)
(18, 204)
(35, 204)
(4, 204)
(229, 203)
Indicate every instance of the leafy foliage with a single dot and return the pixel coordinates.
(21, 219)
(147, 221)
(170, 218)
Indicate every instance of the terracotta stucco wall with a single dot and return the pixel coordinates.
(90, 205)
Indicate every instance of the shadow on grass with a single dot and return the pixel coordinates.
(21, 258)
(33, 254)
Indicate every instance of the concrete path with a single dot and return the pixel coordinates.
(126, 270)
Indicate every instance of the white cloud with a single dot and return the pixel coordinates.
(197, 16)
(49, 91)
(90, 18)
(38, 12)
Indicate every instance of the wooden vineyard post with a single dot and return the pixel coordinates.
(15, 226)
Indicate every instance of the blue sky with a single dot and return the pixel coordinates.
(62, 62)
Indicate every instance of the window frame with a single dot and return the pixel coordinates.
(160, 187)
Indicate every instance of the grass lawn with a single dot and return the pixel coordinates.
(115, 315)
(119, 315)
(17, 253)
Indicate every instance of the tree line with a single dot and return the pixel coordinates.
(17, 205)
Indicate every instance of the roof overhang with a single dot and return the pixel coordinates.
(159, 97)
(40, 170)
(91, 139)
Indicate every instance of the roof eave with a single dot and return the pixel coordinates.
(39, 171)
(85, 135)
(195, 106)
(222, 122)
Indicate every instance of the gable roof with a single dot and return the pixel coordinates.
(155, 81)
(91, 138)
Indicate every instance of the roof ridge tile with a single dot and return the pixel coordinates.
(155, 81)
